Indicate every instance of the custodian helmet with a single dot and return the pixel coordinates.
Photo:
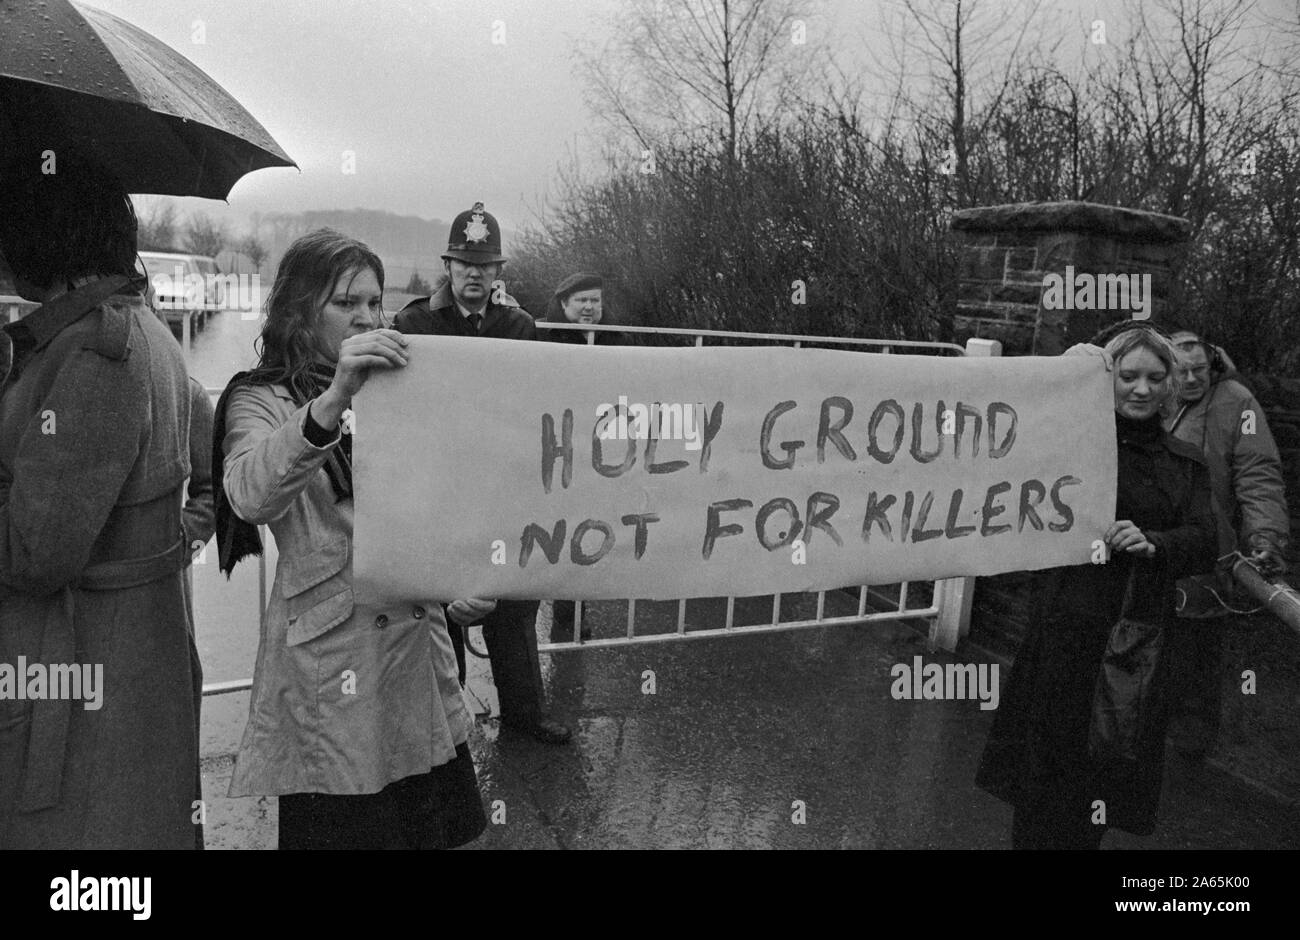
(475, 237)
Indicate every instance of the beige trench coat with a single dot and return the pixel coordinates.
(346, 698)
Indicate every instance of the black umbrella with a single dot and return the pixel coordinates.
(73, 76)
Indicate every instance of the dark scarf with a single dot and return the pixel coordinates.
(237, 539)
(1147, 431)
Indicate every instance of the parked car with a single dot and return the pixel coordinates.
(213, 280)
(12, 307)
(183, 285)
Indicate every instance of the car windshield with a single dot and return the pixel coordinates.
(156, 263)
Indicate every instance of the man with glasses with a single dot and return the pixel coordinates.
(1220, 417)
(473, 302)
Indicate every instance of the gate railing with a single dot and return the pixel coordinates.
(950, 602)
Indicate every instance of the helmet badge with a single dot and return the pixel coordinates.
(476, 229)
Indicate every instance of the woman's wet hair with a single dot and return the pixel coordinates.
(308, 272)
(76, 221)
(1145, 337)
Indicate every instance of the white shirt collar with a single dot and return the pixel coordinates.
(467, 313)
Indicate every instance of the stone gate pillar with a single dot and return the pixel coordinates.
(1017, 262)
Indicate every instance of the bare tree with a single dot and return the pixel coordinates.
(952, 64)
(844, 208)
(687, 66)
(1284, 28)
(157, 227)
(251, 247)
(204, 236)
(418, 285)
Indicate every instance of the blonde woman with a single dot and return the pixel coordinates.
(1037, 757)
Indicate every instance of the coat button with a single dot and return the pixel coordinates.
(381, 621)
(417, 612)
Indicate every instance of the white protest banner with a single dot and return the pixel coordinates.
(507, 469)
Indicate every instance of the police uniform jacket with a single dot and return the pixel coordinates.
(439, 315)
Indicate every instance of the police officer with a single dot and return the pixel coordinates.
(473, 302)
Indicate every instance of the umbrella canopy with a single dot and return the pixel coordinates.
(74, 76)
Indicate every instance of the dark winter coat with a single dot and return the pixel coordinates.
(94, 451)
(438, 315)
(1037, 752)
(555, 314)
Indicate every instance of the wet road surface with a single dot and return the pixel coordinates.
(786, 740)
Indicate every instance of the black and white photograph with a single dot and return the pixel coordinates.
(858, 425)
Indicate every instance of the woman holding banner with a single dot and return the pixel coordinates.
(356, 720)
(1047, 754)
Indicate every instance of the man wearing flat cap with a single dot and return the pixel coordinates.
(472, 302)
(578, 300)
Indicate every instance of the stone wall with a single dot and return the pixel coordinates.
(1007, 252)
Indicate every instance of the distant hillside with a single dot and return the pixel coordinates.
(405, 243)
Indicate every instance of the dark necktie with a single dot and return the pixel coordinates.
(476, 321)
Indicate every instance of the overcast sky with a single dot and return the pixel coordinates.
(436, 113)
